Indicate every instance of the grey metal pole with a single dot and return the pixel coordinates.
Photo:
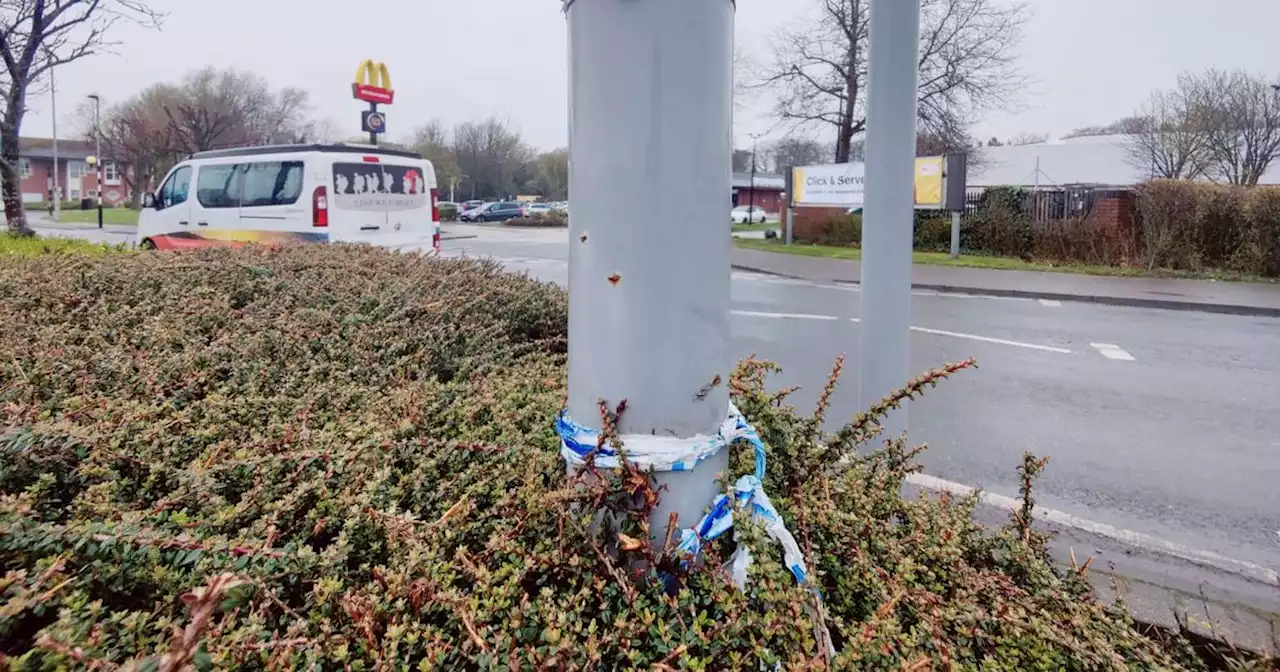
(651, 116)
(97, 132)
(53, 108)
(884, 343)
(955, 234)
(791, 222)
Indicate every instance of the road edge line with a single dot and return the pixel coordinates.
(1244, 568)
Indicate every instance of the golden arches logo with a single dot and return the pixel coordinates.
(373, 83)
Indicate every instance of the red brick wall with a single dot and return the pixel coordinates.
(114, 193)
(769, 199)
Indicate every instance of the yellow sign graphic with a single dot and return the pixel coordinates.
(928, 182)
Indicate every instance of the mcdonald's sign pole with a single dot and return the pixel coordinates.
(373, 85)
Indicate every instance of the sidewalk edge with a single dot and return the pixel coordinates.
(1127, 301)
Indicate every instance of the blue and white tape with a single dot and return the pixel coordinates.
(676, 454)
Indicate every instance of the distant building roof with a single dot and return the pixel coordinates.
(42, 148)
(1094, 160)
(763, 181)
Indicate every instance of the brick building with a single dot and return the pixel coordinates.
(769, 191)
(75, 178)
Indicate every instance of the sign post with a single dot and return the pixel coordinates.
(373, 85)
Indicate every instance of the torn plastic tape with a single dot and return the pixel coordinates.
(659, 453)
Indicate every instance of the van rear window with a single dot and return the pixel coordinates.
(379, 186)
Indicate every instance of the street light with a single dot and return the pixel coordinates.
(751, 195)
(97, 158)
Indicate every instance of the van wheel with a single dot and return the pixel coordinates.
(147, 244)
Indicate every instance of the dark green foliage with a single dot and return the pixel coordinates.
(338, 457)
(555, 218)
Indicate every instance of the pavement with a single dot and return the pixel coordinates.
(1162, 426)
(1235, 298)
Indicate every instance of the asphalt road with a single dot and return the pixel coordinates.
(1163, 427)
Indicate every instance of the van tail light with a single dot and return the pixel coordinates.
(320, 207)
(435, 205)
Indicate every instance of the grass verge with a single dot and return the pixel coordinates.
(739, 228)
(34, 246)
(119, 216)
(998, 263)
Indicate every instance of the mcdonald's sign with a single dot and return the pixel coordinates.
(373, 84)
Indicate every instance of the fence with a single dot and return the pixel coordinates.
(1055, 203)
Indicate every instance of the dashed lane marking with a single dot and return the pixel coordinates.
(785, 316)
(988, 339)
(1112, 351)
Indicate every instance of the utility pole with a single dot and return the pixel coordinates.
(887, 214)
(651, 112)
(751, 198)
(97, 132)
(53, 108)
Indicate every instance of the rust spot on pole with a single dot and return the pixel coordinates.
(583, 237)
(615, 279)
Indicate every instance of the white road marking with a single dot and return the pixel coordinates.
(1111, 351)
(784, 316)
(1128, 537)
(988, 339)
(1052, 303)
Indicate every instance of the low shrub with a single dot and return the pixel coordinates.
(932, 231)
(31, 246)
(1259, 250)
(449, 213)
(841, 230)
(555, 218)
(343, 458)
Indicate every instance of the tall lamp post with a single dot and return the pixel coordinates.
(56, 192)
(751, 195)
(97, 134)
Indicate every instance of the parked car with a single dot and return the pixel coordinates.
(537, 210)
(493, 212)
(469, 205)
(748, 214)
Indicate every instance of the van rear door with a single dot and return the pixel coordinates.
(358, 208)
(410, 202)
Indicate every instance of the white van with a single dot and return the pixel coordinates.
(294, 193)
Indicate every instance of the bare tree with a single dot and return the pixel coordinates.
(230, 108)
(1165, 139)
(1240, 116)
(431, 140)
(1028, 139)
(136, 133)
(796, 151)
(553, 174)
(36, 35)
(819, 71)
(492, 155)
(1123, 126)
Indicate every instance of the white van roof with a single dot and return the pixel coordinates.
(313, 147)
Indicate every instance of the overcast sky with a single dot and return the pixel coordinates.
(1089, 61)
